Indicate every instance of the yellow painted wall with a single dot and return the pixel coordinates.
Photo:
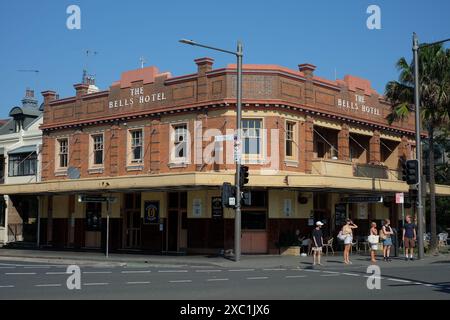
(381, 212)
(155, 196)
(205, 198)
(60, 207)
(299, 211)
(43, 207)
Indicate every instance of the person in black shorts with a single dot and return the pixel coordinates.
(317, 243)
(409, 238)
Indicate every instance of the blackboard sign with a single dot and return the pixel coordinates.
(340, 213)
(93, 217)
(151, 212)
(217, 208)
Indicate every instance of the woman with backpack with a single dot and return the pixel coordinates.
(386, 236)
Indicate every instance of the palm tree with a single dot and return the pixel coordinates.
(434, 68)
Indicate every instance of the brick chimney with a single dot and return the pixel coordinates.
(204, 65)
(81, 89)
(29, 100)
(49, 96)
(307, 69)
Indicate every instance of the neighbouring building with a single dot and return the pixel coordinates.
(162, 147)
(20, 145)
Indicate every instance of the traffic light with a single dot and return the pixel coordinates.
(243, 176)
(411, 172)
(228, 192)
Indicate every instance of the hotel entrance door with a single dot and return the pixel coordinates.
(132, 221)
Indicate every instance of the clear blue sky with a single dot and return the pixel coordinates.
(330, 34)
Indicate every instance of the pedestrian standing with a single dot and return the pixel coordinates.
(373, 240)
(409, 238)
(317, 239)
(386, 234)
(347, 233)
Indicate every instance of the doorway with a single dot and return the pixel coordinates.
(132, 222)
(177, 222)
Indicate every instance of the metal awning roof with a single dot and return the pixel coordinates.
(24, 149)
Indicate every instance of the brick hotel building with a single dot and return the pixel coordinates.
(329, 140)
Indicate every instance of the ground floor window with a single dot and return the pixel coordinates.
(254, 220)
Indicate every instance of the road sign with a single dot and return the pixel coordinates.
(97, 199)
(399, 198)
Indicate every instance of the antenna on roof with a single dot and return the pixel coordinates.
(143, 62)
(335, 74)
(36, 80)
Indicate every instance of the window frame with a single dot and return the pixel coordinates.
(254, 157)
(58, 154)
(27, 159)
(92, 145)
(173, 143)
(294, 140)
(130, 151)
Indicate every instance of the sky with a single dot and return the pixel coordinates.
(332, 35)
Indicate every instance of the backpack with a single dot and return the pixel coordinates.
(383, 235)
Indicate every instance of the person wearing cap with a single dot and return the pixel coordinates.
(317, 239)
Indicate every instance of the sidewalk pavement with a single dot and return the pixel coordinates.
(200, 261)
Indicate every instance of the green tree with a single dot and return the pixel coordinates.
(434, 68)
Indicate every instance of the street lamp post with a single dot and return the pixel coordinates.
(237, 142)
(420, 212)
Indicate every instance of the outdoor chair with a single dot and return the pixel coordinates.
(443, 237)
(329, 245)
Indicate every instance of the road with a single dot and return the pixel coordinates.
(46, 281)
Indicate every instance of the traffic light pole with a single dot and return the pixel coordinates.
(420, 215)
(238, 148)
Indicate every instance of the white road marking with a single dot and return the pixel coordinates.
(295, 277)
(7, 267)
(308, 270)
(274, 269)
(48, 285)
(398, 280)
(330, 275)
(95, 284)
(180, 281)
(140, 271)
(141, 282)
(258, 278)
(56, 273)
(208, 271)
(97, 272)
(242, 270)
(351, 274)
(330, 272)
(6, 287)
(214, 280)
(21, 274)
(37, 267)
(172, 271)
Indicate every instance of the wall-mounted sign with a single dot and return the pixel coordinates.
(197, 207)
(363, 199)
(363, 211)
(151, 212)
(137, 97)
(358, 106)
(287, 207)
(399, 198)
(217, 207)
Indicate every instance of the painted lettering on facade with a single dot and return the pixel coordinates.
(358, 106)
(137, 97)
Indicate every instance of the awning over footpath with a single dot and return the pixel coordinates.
(23, 149)
(167, 182)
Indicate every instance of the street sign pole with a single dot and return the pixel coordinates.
(107, 228)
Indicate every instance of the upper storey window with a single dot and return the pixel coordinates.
(136, 144)
(251, 134)
(63, 153)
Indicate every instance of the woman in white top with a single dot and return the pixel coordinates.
(347, 232)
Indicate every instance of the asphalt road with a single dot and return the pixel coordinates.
(44, 281)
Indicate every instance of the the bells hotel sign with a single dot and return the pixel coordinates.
(137, 97)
